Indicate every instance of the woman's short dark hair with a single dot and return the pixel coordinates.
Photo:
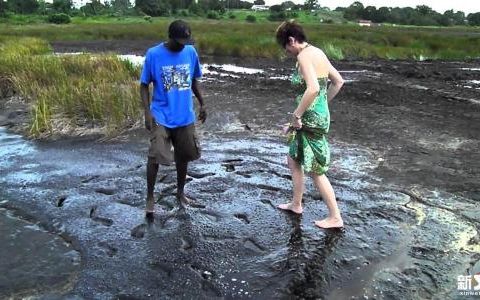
(290, 29)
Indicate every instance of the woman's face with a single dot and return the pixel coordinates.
(291, 47)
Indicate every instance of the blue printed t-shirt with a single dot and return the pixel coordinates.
(171, 74)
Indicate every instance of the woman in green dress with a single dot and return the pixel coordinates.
(308, 145)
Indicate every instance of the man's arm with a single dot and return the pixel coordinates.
(198, 94)
(145, 95)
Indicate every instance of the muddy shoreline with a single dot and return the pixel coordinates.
(405, 139)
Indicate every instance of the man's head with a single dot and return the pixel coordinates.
(179, 35)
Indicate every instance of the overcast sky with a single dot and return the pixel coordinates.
(467, 6)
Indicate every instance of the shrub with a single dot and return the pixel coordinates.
(148, 18)
(213, 15)
(59, 18)
(277, 16)
(251, 19)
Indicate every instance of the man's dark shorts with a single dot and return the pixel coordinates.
(173, 144)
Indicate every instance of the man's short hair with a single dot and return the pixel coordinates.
(179, 30)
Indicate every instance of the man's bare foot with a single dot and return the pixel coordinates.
(291, 207)
(330, 222)
(150, 207)
(184, 200)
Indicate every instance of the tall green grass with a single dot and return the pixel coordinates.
(232, 38)
(67, 92)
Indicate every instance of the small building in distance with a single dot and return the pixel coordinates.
(260, 7)
(366, 23)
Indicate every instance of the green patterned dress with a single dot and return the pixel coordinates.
(309, 145)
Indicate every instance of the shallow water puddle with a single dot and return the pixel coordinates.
(32, 260)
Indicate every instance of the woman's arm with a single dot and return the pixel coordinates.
(337, 82)
(310, 76)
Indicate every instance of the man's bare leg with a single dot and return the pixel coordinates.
(181, 179)
(334, 219)
(152, 170)
(298, 188)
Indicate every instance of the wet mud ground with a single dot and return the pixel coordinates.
(405, 168)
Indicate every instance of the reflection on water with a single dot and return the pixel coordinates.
(307, 258)
(12, 146)
(302, 268)
(33, 261)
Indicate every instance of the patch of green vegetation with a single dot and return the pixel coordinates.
(72, 90)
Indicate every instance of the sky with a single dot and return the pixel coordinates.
(467, 6)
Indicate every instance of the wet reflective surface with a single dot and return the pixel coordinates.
(34, 261)
(240, 245)
(409, 231)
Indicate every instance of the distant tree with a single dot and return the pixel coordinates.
(179, 4)
(369, 13)
(245, 5)
(297, 7)
(456, 18)
(233, 4)
(442, 20)
(288, 4)
(354, 11)
(474, 19)
(153, 8)
(276, 8)
(42, 7)
(216, 5)
(259, 2)
(459, 18)
(62, 6)
(196, 9)
(3, 8)
(424, 10)
(311, 4)
(381, 15)
(93, 8)
(120, 6)
(23, 6)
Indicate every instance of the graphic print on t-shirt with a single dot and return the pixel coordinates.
(176, 77)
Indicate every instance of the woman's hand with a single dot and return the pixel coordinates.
(297, 122)
(286, 128)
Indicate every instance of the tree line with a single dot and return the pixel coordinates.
(421, 15)
(124, 7)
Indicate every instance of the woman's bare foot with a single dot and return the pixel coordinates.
(330, 222)
(293, 208)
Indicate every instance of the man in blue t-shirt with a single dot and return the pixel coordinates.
(174, 69)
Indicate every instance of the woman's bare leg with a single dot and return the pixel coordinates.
(298, 188)
(334, 218)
